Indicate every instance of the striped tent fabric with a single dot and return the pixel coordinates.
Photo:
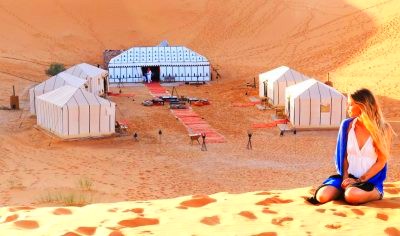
(96, 78)
(272, 84)
(51, 84)
(71, 112)
(178, 62)
(312, 104)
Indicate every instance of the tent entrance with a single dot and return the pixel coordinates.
(155, 72)
(265, 89)
(105, 85)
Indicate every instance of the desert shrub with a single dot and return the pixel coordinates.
(55, 68)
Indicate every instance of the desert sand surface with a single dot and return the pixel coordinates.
(357, 42)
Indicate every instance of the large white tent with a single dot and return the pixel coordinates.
(272, 83)
(166, 63)
(97, 78)
(71, 112)
(51, 84)
(312, 104)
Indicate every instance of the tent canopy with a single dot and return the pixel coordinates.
(84, 70)
(272, 84)
(311, 88)
(152, 56)
(60, 80)
(54, 82)
(71, 96)
(96, 77)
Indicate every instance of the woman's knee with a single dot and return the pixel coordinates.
(355, 196)
(326, 194)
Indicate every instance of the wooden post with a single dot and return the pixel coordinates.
(14, 101)
(329, 83)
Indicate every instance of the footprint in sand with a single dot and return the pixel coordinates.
(198, 201)
(27, 224)
(268, 211)
(11, 218)
(86, 230)
(248, 214)
(357, 212)
(382, 216)
(279, 221)
(392, 231)
(342, 214)
(139, 221)
(135, 210)
(116, 233)
(273, 200)
(320, 210)
(213, 220)
(333, 226)
(62, 211)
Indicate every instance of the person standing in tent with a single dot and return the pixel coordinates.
(362, 151)
(148, 75)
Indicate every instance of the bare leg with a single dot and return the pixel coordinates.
(327, 193)
(355, 196)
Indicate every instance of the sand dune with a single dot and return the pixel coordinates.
(252, 213)
(356, 42)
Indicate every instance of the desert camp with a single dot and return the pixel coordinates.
(272, 84)
(166, 154)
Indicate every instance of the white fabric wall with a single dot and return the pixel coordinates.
(32, 106)
(304, 109)
(163, 72)
(188, 72)
(51, 84)
(182, 73)
(83, 115)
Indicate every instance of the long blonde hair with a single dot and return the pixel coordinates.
(371, 115)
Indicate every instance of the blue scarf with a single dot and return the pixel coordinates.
(340, 154)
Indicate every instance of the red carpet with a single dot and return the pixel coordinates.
(195, 124)
(156, 90)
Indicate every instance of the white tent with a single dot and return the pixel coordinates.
(71, 112)
(51, 84)
(312, 104)
(97, 78)
(272, 84)
(175, 63)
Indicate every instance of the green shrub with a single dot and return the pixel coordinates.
(54, 69)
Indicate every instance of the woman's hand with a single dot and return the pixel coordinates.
(348, 181)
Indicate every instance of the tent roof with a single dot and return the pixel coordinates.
(64, 94)
(158, 55)
(84, 70)
(311, 88)
(283, 73)
(59, 80)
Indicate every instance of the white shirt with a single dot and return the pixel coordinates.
(360, 160)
